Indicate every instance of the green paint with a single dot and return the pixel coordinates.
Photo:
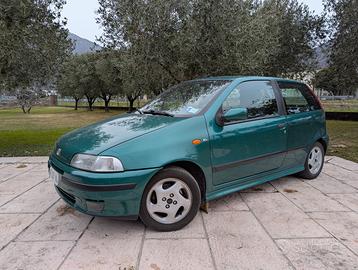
(231, 156)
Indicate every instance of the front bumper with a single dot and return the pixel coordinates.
(102, 194)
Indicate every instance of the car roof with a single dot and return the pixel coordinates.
(242, 78)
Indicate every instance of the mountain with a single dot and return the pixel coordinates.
(321, 56)
(83, 45)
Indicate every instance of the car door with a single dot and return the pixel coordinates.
(304, 117)
(254, 145)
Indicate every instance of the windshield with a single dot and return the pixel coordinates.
(187, 98)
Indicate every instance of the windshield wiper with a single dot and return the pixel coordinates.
(153, 112)
(135, 110)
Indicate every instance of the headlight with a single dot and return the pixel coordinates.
(96, 163)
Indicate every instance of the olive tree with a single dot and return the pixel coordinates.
(343, 45)
(68, 83)
(33, 44)
(108, 70)
(181, 40)
(78, 78)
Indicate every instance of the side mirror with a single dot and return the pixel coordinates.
(235, 114)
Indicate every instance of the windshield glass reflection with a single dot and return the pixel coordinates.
(187, 98)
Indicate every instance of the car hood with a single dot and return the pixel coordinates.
(101, 136)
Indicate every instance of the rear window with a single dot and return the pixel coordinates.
(298, 98)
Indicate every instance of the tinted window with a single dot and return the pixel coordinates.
(298, 98)
(257, 96)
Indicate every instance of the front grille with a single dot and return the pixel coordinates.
(67, 196)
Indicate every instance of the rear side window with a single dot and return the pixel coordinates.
(257, 96)
(298, 98)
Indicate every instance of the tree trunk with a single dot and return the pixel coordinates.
(76, 103)
(90, 101)
(131, 103)
(29, 109)
(90, 105)
(23, 109)
(132, 99)
(106, 105)
(106, 102)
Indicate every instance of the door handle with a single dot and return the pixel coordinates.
(281, 125)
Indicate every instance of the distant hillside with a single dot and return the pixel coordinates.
(321, 56)
(83, 45)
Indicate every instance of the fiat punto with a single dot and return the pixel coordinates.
(197, 141)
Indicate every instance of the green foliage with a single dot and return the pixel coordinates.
(79, 78)
(137, 75)
(68, 83)
(181, 40)
(88, 78)
(91, 75)
(108, 70)
(296, 31)
(33, 43)
(343, 43)
(327, 79)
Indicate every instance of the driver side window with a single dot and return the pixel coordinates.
(258, 97)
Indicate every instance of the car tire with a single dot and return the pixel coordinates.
(171, 200)
(314, 162)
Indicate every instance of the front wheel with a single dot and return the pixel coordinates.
(314, 162)
(171, 200)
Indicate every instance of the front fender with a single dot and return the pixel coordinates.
(167, 145)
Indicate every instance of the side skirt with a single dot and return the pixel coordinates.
(251, 183)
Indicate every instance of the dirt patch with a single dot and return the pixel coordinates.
(288, 190)
(126, 268)
(339, 146)
(154, 266)
(21, 166)
(64, 210)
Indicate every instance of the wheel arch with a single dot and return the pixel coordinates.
(324, 144)
(196, 171)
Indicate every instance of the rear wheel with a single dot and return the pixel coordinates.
(171, 200)
(314, 162)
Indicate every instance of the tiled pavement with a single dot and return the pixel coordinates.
(286, 224)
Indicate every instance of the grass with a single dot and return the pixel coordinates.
(340, 105)
(343, 139)
(36, 133)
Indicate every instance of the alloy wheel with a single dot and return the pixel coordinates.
(315, 159)
(169, 201)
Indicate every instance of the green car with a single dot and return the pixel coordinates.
(198, 141)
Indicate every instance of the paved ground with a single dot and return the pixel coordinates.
(286, 224)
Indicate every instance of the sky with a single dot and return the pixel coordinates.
(81, 16)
